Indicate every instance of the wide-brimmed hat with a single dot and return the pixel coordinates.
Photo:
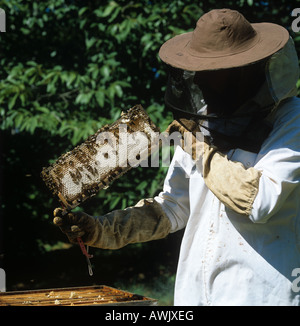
(222, 39)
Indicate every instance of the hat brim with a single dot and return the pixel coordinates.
(175, 52)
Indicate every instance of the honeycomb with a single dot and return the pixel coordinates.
(105, 156)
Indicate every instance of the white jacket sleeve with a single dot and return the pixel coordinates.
(174, 198)
(279, 163)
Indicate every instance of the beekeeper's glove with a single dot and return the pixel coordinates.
(234, 185)
(143, 222)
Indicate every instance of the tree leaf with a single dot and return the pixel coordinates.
(100, 97)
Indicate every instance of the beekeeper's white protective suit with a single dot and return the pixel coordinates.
(228, 258)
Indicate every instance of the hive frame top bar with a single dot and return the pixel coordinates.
(74, 296)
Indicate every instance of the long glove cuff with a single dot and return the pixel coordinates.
(234, 185)
(143, 222)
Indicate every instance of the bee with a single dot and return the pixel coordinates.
(91, 149)
(78, 174)
(104, 183)
(113, 174)
(119, 170)
(74, 178)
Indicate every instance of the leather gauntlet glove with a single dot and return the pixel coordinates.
(234, 185)
(143, 222)
(193, 141)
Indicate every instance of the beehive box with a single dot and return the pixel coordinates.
(75, 296)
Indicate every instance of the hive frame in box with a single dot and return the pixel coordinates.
(75, 296)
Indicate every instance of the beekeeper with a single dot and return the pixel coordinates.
(235, 83)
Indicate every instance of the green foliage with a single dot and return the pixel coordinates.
(69, 67)
(79, 64)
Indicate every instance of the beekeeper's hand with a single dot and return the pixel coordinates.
(143, 222)
(75, 224)
(231, 182)
(193, 141)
